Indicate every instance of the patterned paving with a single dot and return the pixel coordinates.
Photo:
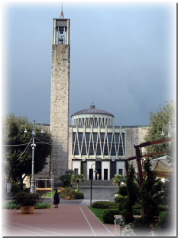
(67, 220)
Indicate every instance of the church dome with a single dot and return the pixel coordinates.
(92, 116)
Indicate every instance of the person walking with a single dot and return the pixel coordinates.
(56, 199)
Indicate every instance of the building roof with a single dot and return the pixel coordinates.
(93, 110)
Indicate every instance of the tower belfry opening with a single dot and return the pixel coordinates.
(61, 31)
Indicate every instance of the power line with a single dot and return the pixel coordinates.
(43, 142)
(24, 152)
(17, 145)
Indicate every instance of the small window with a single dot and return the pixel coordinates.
(76, 171)
(121, 171)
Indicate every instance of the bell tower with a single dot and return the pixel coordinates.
(60, 86)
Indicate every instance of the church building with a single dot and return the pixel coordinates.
(92, 145)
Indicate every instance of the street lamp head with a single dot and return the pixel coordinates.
(42, 131)
(33, 133)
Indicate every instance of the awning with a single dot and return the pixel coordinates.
(160, 165)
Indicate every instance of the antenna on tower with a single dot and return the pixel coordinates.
(62, 12)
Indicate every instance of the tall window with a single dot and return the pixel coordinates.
(76, 171)
(121, 171)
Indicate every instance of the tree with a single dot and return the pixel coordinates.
(118, 178)
(77, 178)
(160, 127)
(66, 178)
(132, 196)
(18, 152)
(151, 192)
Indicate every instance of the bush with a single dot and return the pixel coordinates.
(12, 205)
(15, 188)
(66, 178)
(26, 199)
(141, 225)
(116, 199)
(105, 205)
(137, 208)
(68, 192)
(42, 206)
(78, 195)
(164, 222)
(108, 215)
(121, 201)
(123, 191)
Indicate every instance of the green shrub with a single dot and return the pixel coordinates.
(15, 188)
(108, 215)
(116, 199)
(68, 191)
(141, 225)
(78, 195)
(12, 205)
(164, 222)
(42, 205)
(26, 199)
(121, 200)
(137, 208)
(105, 205)
(123, 191)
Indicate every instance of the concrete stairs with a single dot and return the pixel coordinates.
(96, 184)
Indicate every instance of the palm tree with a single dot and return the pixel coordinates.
(77, 178)
(118, 178)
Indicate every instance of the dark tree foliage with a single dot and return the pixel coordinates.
(66, 178)
(151, 192)
(132, 196)
(17, 148)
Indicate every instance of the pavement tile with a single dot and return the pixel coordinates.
(67, 220)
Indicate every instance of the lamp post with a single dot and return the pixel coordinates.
(91, 188)
(33, 145)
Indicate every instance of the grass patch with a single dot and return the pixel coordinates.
(163, 213)
(42, 205)
(49, 194)
(98, 213)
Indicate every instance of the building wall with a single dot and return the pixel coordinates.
(59, 126)
(134, 136)
(109, 164)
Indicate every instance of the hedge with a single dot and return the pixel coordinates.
(12, 205)
(42, 205)
(108, 215)
(78, 195)
(105, 205)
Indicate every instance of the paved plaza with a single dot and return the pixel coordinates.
(67, 220)
(72, 218)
